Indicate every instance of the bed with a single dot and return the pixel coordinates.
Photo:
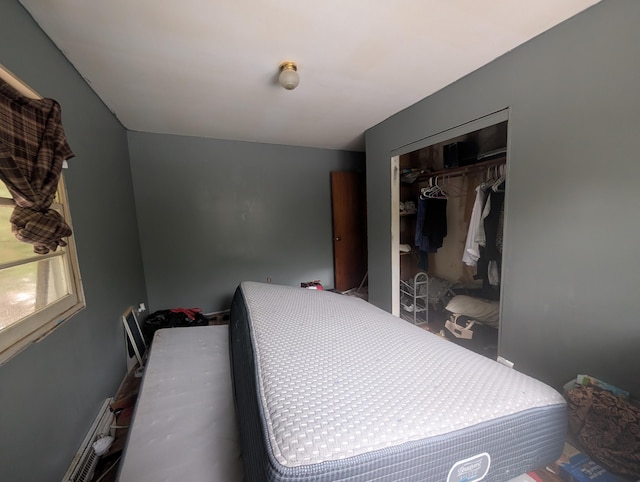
(184, 427)
(328, 387)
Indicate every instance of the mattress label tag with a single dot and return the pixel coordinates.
(471, 469)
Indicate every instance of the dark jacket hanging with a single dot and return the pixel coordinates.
(431, 224)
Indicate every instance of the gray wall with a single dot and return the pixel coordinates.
(573, 220)
(213, 213)
(50, 393)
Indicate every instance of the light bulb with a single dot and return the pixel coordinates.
(289, 78)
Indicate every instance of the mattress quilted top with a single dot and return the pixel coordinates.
(339, 377)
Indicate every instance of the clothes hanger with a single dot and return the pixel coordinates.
(498, 185)
(439, 192)
(434, 191)
(425, 190)
(451, 189)
(488, 179)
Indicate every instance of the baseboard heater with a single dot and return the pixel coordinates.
(84, 463)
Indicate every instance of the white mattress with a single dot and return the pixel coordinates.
(338, 380)
(184, 428)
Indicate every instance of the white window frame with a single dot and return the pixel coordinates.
(35, 327)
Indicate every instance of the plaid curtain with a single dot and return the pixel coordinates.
(32, 149)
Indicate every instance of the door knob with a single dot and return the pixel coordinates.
(336, 239)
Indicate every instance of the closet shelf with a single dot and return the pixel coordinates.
(461, 171)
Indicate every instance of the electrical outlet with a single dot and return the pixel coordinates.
(268, 279)
(141, 308)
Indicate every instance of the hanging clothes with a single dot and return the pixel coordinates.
(472, 247)
(431, 228)
(431, 224)
(32, 149)
(483, 246)
(499, 237)
(492, 222)
(490, 262)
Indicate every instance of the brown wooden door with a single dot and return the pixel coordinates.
(349, 205)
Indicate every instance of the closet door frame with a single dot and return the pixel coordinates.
(462, 129)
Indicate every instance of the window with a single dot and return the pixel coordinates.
(37, 292)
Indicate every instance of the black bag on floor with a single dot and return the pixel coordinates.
(177, 317)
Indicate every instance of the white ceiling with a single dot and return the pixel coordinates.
(209, 68)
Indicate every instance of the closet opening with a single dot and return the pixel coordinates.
(448, 206)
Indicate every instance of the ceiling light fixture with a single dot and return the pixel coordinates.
(289, 78)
